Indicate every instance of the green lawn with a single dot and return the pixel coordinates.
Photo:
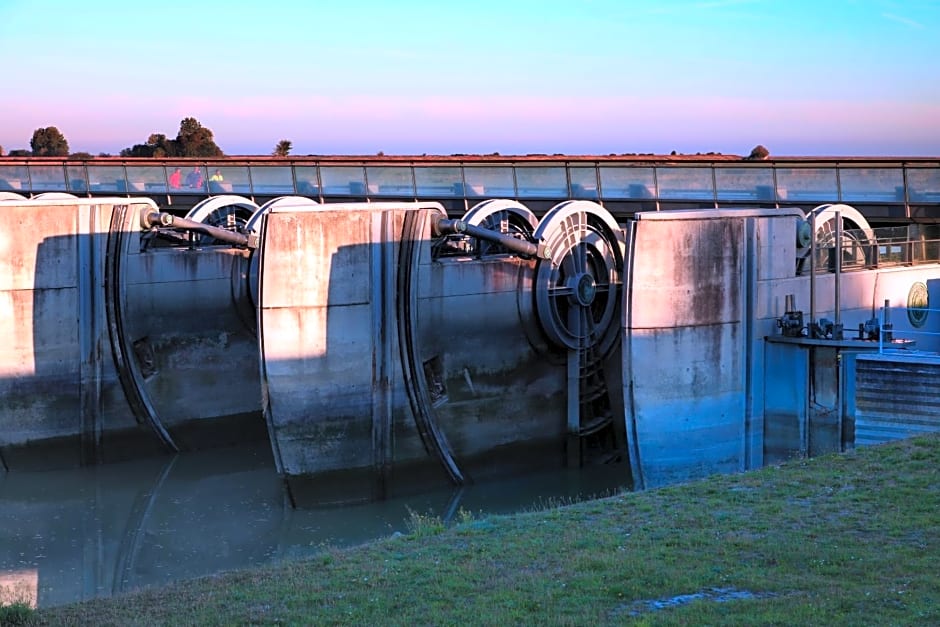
(850, 539)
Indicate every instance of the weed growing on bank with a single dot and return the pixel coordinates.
(16, 613)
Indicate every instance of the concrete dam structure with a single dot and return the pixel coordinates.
(381, 344)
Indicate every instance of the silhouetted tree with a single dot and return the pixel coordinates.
(759, 152)
(49, 142)
(157, 146)
(1, 151)
(283, 148)
(195, 140)
(137, 150)
(20, 152)
(80, 156)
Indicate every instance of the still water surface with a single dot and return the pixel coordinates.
(98, 531)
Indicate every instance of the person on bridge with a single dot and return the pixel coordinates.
(176, 179)
(194, 178)
(216, 177)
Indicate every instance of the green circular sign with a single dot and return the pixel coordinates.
(917, 304)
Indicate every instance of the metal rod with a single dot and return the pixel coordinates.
(446, 226)
(164, 219)
(812, 272)
(838, 251)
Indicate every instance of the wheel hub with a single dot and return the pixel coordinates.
(583, 289)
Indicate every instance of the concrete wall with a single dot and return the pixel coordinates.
(56, 379)
(89, 319)
(378, 360)
(684, 346)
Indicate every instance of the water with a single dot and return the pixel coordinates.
(98, 531)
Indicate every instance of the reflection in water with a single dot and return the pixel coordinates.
(90, 532)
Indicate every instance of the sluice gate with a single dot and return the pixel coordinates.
(396, 330)
(378, 345)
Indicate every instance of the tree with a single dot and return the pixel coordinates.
(49, 142)
(80, 156)
(282, 149)
(157, 146)
(20, 152)
(758, 153)
(1, 151)
(195, 140)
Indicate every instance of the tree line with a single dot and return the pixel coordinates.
(192, 140)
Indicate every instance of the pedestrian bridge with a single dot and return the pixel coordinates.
(885, 190)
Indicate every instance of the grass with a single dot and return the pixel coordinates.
(848, 539)
(16, 613)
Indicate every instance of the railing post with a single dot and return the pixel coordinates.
(837, 331)
(881, 331)
(812, 273)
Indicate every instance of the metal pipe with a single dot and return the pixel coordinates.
(812, 274)
(153, 219)
(446, 226)
(838, 268)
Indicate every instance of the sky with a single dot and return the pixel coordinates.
(440, 77)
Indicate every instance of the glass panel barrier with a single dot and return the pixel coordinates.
(47, 178)
(541, 182)
(489, 181)
(807, 184)
(14, 178)
(107, 178)
(583, 182)
(268, 180)
(627, 182)
(233, 179)
(186, 179)
(343, 180)
(437, 181)
(149, 179)
(306, 181)
(923, 184)
(680, 183)
(745, 184)
(871, 184)
(78, 183)
(390, 181)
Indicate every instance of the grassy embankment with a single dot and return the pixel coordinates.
(846, 539)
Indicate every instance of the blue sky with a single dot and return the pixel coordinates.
(823, 77)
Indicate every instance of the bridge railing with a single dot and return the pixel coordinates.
(882, 247)
(906, 189)
(890, 337)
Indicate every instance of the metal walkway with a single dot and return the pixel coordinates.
(885, 190)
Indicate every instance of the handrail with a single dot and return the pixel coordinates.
(887, 332)
(896, 183)
(881, 247)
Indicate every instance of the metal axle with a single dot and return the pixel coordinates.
(153, 219)
(446, 226)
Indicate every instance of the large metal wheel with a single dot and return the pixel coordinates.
(54, 196)
(578, 304)
(857, 235)
(11, 196)
(577, 289)
(503, 216)
(226, 212)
